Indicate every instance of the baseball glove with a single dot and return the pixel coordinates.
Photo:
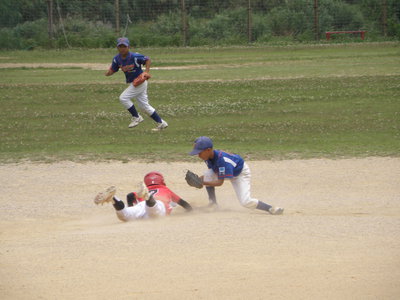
(141, 78)
(193, 179)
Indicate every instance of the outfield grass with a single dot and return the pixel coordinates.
(200, 55)
(303, 102)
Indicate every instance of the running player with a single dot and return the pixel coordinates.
(222, 165)
(153, 199)
(131, 64)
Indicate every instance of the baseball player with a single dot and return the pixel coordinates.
(131, 64)
(221, 166)
(153, 199)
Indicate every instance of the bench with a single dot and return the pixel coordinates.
(360, 32)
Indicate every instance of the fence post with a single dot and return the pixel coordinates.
(249, 23)
(384, 17)
(316, 22)
(117, 26)
(50, 22)
(184, 24)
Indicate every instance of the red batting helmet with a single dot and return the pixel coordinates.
(153, 178)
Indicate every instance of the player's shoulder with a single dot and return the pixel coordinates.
(226, 154)
(219, 156)
(136, 54)
(116, 57)
(140, 56)
(220, 153)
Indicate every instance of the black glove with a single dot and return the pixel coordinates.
(193, 179)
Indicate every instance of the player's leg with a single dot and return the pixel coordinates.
(131, 213)
(153, 207)
(126, 100)
(156, 209)
(241, 185)
(212, 198)
(209, 175)
(143, 103)
(123, 213)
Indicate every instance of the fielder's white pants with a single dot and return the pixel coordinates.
(140, 94)
(142, 211)
(241, 185)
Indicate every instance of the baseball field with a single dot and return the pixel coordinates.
(319, 126)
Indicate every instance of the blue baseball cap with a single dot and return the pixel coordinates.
(200, 144)
(123, 41)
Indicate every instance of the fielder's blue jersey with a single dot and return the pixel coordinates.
(131, 65)
(225, 165)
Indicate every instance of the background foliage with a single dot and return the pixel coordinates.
(91, 23)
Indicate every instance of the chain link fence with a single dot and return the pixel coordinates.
(28, 24)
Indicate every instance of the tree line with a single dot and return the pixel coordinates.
(95, 23)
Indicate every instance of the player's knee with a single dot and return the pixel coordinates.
(126, 102)
(158, 210)
(249, 203)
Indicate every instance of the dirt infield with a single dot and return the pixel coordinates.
(338, 239)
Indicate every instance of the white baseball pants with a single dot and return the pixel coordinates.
(140, 94)
(241, 185)
(142, 211)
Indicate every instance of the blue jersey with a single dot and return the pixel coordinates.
(225, 165)
(131, 65)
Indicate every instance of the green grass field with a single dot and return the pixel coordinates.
(261, 102)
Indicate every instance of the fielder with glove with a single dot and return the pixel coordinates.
(131, 64)
(226, 166)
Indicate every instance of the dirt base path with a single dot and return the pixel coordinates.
(338, 239)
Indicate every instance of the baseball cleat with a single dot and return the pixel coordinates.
(275, 211)
(212, 204)
(143, 191)
(105, 196)
(135, 121)
(161, 126)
